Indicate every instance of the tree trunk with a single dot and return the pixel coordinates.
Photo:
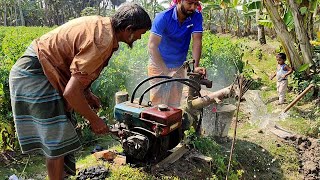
(301, 33)
(261, 33)
(15, 15)
(226, 18)
(310, 27)
(283, 34)
(46, 11)
(5, 15)
(248, 26)
(221, 25)
(238, 25)
(209, 20)
(21, 14)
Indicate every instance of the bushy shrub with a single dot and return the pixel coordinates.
(13, 42)
(126, 69)
(222, 58)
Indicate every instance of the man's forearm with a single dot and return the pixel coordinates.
(196, 49)
(75, 96)
(157, 59)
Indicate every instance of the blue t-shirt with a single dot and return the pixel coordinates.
(175, 37)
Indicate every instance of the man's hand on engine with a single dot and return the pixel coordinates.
(99, 126)
(201, 70)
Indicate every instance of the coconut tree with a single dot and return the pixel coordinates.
(221, 10)
(5, 11)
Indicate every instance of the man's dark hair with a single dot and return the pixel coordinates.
(131, 14)
(282, 56)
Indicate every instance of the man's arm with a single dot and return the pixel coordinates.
(196, 47)
(153, 46)
(93, 100)
(75, 96)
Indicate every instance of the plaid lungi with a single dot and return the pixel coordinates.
(41, 122)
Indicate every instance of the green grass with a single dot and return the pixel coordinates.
(263, 155)
(33, 167)
(128, 173)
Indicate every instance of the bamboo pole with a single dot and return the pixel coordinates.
(298, 98)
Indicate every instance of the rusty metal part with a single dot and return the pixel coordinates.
(298, 97)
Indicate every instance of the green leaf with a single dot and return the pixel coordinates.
(226, 1)
(288, 20)
(254, 5)
(235, 3)
(250, 13)
(303, 10)
(212, 6)
(266, 23)
(303, 67)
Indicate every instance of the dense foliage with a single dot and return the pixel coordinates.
(13, 42)
(222, 58)
(57, 12)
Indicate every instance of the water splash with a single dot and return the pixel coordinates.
(283, 115)
(258, 110)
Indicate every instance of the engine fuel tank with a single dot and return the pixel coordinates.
(163, 114)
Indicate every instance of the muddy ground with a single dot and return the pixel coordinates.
(309, 155)
(186, 167)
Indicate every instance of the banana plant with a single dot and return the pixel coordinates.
(227, 7)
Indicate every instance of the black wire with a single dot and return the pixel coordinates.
(142, 82)
(181, 80)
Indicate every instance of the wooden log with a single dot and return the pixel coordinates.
(179, 151)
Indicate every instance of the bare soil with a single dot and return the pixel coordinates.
(186, 168)
(309, 155)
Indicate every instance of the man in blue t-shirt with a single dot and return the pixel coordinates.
(168, 45)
